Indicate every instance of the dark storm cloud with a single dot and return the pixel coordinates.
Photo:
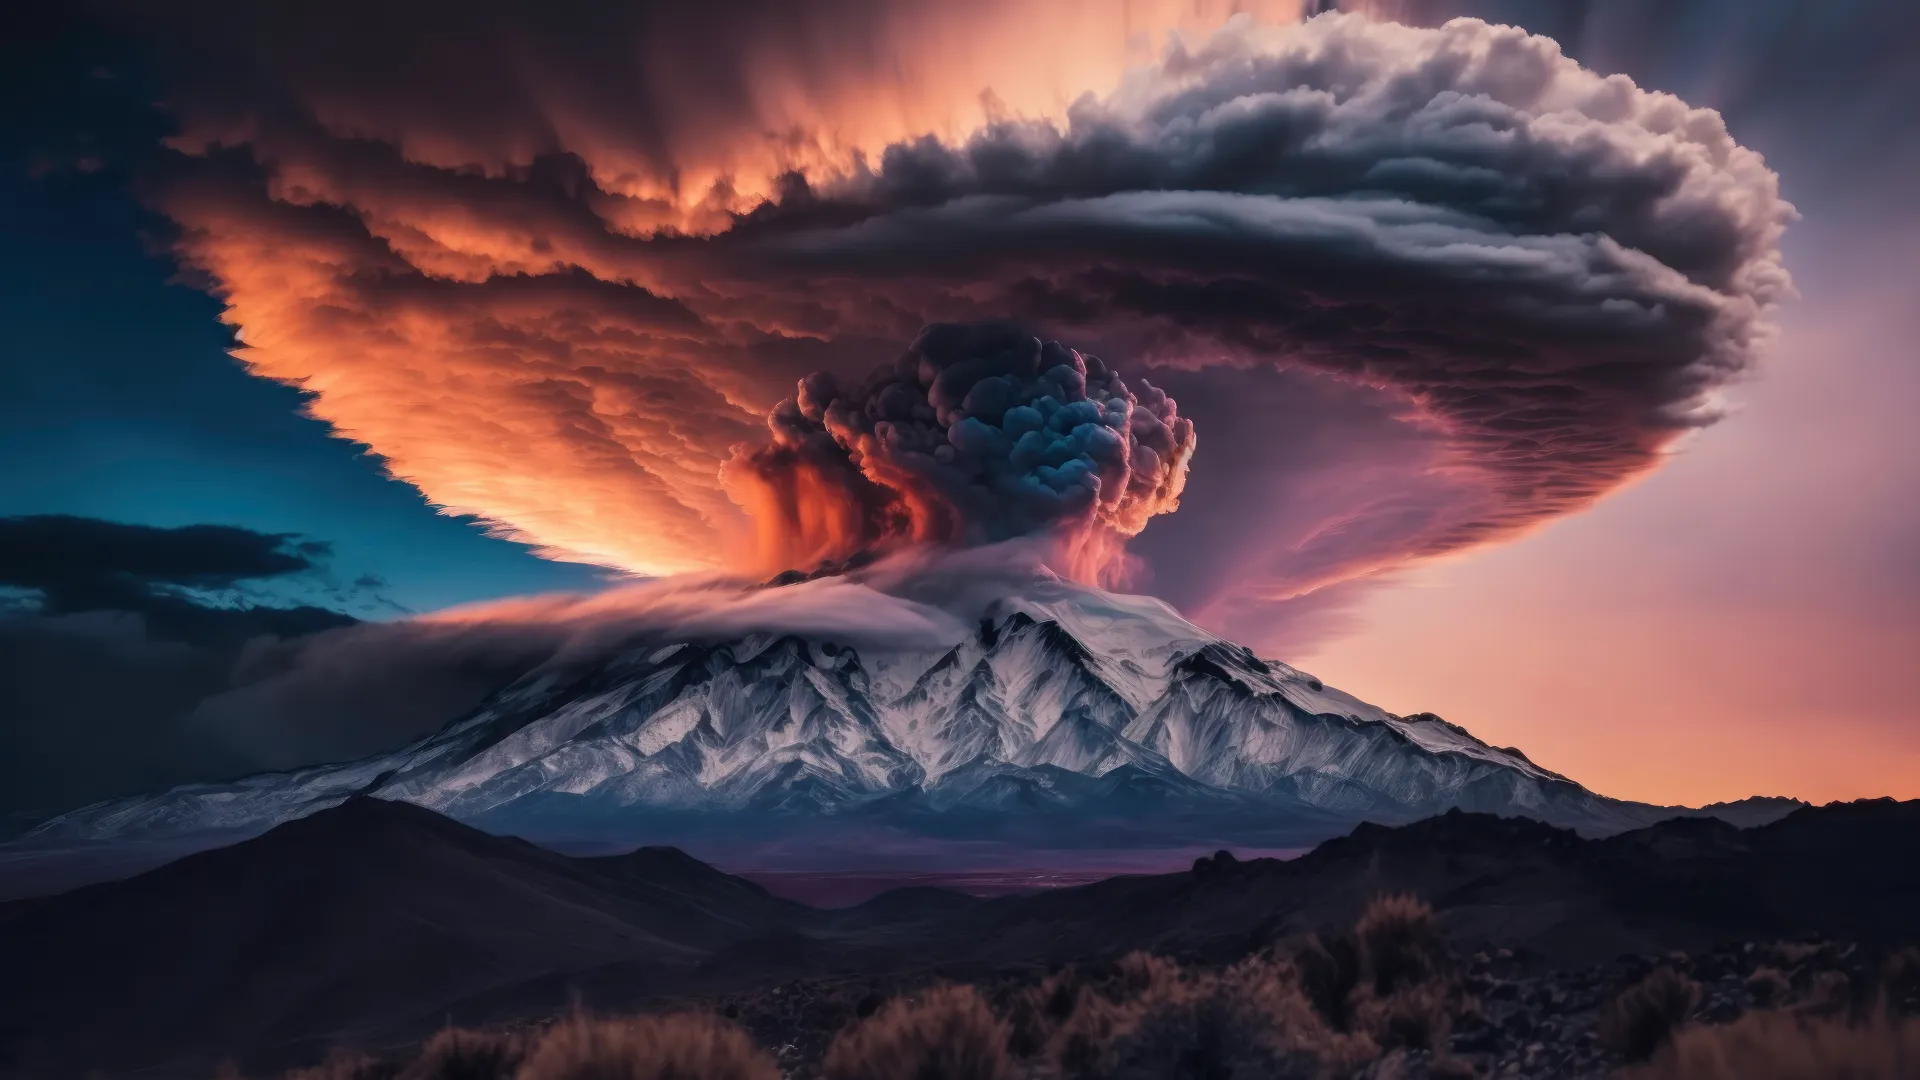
(111, 703)
(115, 634)
(77, 564)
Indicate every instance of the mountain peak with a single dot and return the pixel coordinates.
(1064, 698)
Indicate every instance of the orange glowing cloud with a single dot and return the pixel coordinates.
(556, 268)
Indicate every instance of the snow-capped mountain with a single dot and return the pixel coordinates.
(1065, 699)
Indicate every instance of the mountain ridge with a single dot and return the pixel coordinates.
(375, 921)
(1065, 703)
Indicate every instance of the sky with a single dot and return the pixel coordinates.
(1463, 424)
(118, 399)
(1742, 619)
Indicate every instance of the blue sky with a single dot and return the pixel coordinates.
(118, 401)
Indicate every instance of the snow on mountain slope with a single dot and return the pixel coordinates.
(1065, 696)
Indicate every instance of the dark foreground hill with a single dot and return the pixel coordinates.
(375, 921)
(356, 917)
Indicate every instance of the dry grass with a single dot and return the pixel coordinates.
(688, 1046)
(1830, 994)
(1392, 980)
(1324, 1008)
(1203, 1034)
(1645, 1015)
(947, 1033)
(1400, 944)
(676, 1047)
(1150, 1017)
(1329, 975)
(1900, 980)
(1417, 1017)
(1329, 1006)
(1408, 994)
(460, 1054)
(1776, 1045)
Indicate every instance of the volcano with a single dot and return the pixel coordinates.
(1067, 717)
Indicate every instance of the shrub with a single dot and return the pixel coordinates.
(1644, 1016)
(1776, 1045)
(1830, 995)
(1081, 1025)
(1142, 975)
(947, 1033)
(460, 1054)
(1272, 987)
(1152, 1018)
(1204, 1033)
(1414, 1017)
(1329, 974)
(1900, 980)
(1400, 943)
(1085, 1022)
(687, 1046)
(1391, 981)
(1767, 986)
(1216, 1037)
(1034, 1013)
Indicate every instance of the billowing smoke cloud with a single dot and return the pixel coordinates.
(1552, 268)
(979, 433)
(1519, 279)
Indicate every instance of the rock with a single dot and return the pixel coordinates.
(1478, 1040)
(1546, 998)
(1220, 861)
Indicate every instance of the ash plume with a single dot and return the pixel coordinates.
(1443, 284)
(978, 433)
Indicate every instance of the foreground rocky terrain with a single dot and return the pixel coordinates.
(1388, 999)
(371, 925)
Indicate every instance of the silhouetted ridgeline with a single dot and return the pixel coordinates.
(374, 923)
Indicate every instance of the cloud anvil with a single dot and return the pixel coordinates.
(1544, 272)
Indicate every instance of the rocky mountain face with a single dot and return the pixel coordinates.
(1066, 704)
